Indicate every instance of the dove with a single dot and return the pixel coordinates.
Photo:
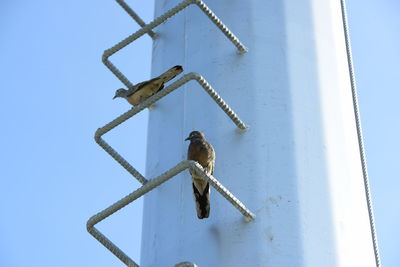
(201, 151)
(144, 90)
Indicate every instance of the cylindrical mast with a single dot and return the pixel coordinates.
(298, 166)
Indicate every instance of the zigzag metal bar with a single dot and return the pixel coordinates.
(110, 246)
(135, 17)
(107, 53)
(120, 159)
(148, 102)
(150, 185)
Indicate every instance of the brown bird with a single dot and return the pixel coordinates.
(202, 152)
(144, 90)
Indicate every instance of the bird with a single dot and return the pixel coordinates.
(144, 90)
(203, 152)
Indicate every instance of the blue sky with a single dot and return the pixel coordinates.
(55, 93)
(375, 28)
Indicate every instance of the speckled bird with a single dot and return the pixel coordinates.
(144, 90)
(202, 152)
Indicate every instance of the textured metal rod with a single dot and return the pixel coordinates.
(185, 264)
(109, 52)
(359, 133)
(111, 246)
(218, 100)
(150, 185)
(241, 48)
(121, 160)
(135, 16)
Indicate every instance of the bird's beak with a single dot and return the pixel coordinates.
(115, 97)
(187, 139)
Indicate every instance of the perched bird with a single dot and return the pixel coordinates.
(202, 152)
(144, 90)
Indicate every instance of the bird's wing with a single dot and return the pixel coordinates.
(163, 78)
(204, 154)
(139, 86)
(211, 159)
(136, 87)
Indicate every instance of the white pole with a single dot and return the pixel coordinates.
(297, 168)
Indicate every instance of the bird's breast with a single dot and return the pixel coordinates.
(199, 153)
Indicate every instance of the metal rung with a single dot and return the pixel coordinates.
(148, 27)
(135, 17)
(151, 100)
(147, 187)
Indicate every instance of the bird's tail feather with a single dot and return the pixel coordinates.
(171, 73)
(202, 201)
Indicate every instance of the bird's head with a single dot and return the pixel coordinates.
(195, 135)
(120, 93)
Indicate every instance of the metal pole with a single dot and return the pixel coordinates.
(297, 167)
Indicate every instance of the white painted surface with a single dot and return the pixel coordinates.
(298, 167)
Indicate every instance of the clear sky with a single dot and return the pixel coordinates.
(375, 33)
(55, 93)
